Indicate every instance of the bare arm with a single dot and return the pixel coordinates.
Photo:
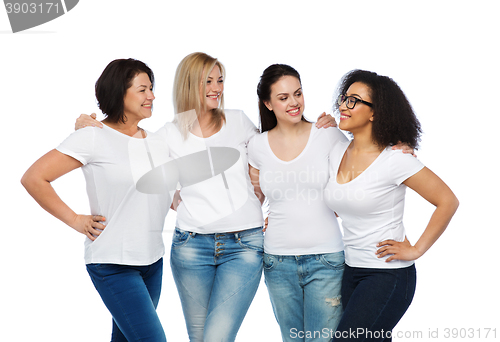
(254, 178)
(435, 191)
(37, 181)
(176, 201)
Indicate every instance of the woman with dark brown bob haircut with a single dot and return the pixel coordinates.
(367, 185)
(111, 87)
(123, 247)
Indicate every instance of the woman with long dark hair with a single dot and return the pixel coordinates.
(217, 246)
(304, 257)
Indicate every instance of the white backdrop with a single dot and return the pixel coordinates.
(444, 55)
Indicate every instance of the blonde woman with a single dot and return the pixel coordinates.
(217, 246)
(216, 254)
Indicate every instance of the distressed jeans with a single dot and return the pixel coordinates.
(305, 294)
(217, 276)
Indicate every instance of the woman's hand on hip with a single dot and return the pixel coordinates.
(89, 225)
(397, 250)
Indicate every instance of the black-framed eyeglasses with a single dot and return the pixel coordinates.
(350, 101)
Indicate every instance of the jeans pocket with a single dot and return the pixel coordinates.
(101, 271)
(335, 261)
(180, 238)
(269, 262)
(253, 241)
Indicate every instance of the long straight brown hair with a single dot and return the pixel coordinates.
(269, 77)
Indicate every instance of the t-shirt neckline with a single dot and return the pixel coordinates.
(362, 172)
(294, 159)
(125, 135)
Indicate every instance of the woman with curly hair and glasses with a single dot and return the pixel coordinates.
(367, 185)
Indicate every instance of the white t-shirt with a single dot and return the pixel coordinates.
(300, 222)
(371, 206)
(223, 199)
(112, 163)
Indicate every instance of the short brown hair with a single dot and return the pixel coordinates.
(112, 85)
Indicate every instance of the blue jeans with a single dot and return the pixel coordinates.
(305, 294)
(131, 294)
(374, 301)
(217, 276)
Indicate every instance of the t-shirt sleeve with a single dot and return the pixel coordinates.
(403, 166)
(79, 145)
(162, 131)
(336, 152)
(335, 135)
(248, 127)
(166, 128)
(161, 136)
(252, 150)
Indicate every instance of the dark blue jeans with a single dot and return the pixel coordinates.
(131, 294)
(374, 301)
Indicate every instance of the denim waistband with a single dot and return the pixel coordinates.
(236, 235)
(299, 257)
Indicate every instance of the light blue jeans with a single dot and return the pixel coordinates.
(305, 294)
(217, 276)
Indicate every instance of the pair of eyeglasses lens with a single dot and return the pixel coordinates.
(350, 101)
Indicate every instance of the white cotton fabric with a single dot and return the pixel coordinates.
(300, 222)
(112, 164)
(371, 205)
(224, 202)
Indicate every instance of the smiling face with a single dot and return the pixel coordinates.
(138, 100)
(213, 89)
(286, 100)
(361, 116)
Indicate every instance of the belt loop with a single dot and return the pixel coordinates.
(193, 234)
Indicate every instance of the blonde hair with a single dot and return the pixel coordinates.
(191, 72)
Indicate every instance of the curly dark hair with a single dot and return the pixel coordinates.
(112, 85)
(394, 119)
